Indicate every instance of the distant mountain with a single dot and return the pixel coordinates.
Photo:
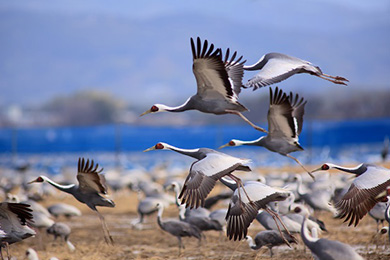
(147, 61)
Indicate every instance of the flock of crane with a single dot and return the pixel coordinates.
(219, 82)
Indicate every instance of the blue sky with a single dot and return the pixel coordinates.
(324, 32)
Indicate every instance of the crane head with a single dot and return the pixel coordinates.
(230, 143)
(39, 179)
(154, 109)
(158, 146)
(323, 167)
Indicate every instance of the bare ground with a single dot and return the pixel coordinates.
(154, 243)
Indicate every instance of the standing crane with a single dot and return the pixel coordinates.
(323, 248)
(368, 188)
(276, 67)
(90, 191)
(285, 120)
(177, 227)
(219, 83)
(204, 173)
(270, 239)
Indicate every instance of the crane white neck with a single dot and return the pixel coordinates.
(181, 108)
(182, 211)
(300, 190)
(356, 170)
(189, 152)
(257, 142)
(250, 241)
(307, 238)
(65, 188)
(160, 211)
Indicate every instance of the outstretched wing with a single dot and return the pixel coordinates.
(276, 67)
(204, 174)
(21, 210)
(280, 115)
(211, 75)
(298, 106)
(363, 194)
(235, 70)
(89, 177)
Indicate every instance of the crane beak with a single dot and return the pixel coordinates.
(316, 170)
(146, 112)
(150, 149)
(222, 146)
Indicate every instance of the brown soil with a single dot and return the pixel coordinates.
(153, 243)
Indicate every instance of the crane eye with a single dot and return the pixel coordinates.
(325, 167)
(159, 146)
(297, 210)
(231, 143)
(39, 179)
(154, 109)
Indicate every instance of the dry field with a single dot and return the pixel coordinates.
(154, 243)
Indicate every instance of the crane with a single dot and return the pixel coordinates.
(210, 166)
(15, 219)
(276, 67)
(90, 191)
(270, 239)
(323, 248)
(242, 211)
(219, 83)
(177, 227)
(368, 188)
(285, 121)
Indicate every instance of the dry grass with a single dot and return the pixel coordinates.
(154, 243)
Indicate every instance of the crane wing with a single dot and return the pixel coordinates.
(280, 116)
(241, 213)
(363, 194)
(204, 174)
(21, 210)
(211, 75)
(276, 67)
(235, 70)
(89, 177)
(298, 106)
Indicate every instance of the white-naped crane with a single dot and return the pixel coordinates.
(90, 191)
(31, 254)
(378, 212)
(270, 239)
(323, 248)
(368, 188)
(63, 209)
(276, 67)
(210, 166)
(177, 227)
(15, 219)
(61, 230)
(285, 121)
(219, 83)
(241, 211)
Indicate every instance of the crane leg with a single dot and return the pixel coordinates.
(247, 120)
(107, 236)
(180, 245)
(336, 80)
(335, 77)
(274, 216)
(240, 184)
(295, 159)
